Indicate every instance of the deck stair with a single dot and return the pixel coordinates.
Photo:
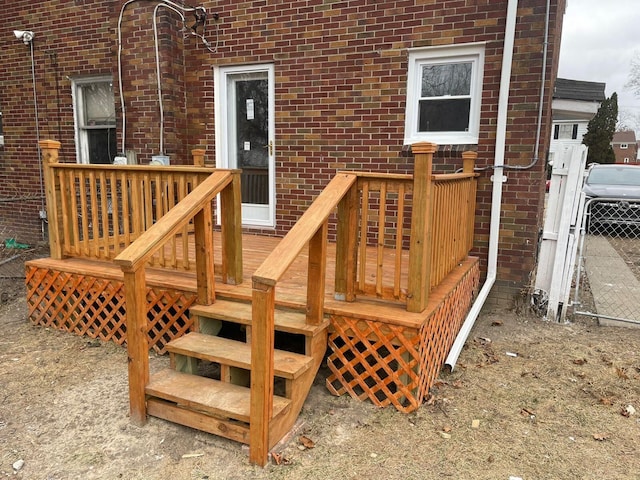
(208, 383)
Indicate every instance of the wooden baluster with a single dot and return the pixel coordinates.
(364, 223)
(50, 150)
(171, 202)
(158, 213)
(184, 235)
(73, 196)
(316, 275)
(420, 247)
(231, 226)
(93, 202)
(104, 217)
(115, 213)
(262, 337)
(67, 217)
(126, 185)
(347, 247)
(382, 212)
(203, 226)
(399, 241)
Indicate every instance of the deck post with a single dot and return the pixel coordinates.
(468, 165)
(469, 161)
(316, 275)
(137, 342)
(198, 157)
(347, 246)
(50, 150)
(262, 344)
(420, 244)
(231, 226)
(205, 277)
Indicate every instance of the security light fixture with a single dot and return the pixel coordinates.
(25, 35)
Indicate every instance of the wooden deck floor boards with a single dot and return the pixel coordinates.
(290, 291)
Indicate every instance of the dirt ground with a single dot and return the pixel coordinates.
(527, 399)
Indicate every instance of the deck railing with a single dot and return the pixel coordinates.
(192, 212)
(407, 219)
(97, 211)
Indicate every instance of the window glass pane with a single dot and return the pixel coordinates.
(446, 79)
(565, 131)
(444, 115)
(99, 104)
(102, 145)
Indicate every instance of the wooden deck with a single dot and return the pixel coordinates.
(366, 320)
(136, 259)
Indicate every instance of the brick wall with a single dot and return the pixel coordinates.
(340, 71)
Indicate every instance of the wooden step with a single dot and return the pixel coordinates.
(202, 394)
(236, 354)
(285, 320)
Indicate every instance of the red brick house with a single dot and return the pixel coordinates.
(291, 92)
(625, 147)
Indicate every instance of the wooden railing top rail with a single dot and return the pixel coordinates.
(444, 177)
(439, 177)
(134, 168)
(153, 239)
(288, 249)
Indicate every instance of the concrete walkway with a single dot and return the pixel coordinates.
(615, 289)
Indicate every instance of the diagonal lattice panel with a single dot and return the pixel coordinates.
(94, 307)
(168, 316)
(373, 360)
(393, 365)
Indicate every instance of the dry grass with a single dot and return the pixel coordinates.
(554, 411)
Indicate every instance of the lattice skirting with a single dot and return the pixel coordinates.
(95, 307)
(396, 365)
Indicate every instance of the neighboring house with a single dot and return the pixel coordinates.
(575, 103)
(625, 147)
(289, 91)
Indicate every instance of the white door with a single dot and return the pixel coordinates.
(245, 136)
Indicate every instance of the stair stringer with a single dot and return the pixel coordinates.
(315, 347)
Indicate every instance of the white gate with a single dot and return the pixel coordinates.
(561, 232)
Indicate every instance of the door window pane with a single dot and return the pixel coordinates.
(252, 139)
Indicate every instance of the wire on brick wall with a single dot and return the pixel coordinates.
(200, 16)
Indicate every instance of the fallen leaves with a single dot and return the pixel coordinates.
(306, 442)
(280, 459)
(622, 373)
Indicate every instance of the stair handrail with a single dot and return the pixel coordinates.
(197, 205)
(311, 229)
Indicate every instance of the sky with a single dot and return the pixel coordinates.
(599, 38)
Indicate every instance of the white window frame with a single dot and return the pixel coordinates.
(468, 52)
(624, 146)
(82, 143)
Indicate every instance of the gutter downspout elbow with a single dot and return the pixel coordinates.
(498, 180)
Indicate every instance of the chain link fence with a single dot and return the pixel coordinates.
(607, 283)
(12, 271)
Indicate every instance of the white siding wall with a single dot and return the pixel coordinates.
(562, 144)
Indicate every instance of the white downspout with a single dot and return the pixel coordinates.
(498, 180)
